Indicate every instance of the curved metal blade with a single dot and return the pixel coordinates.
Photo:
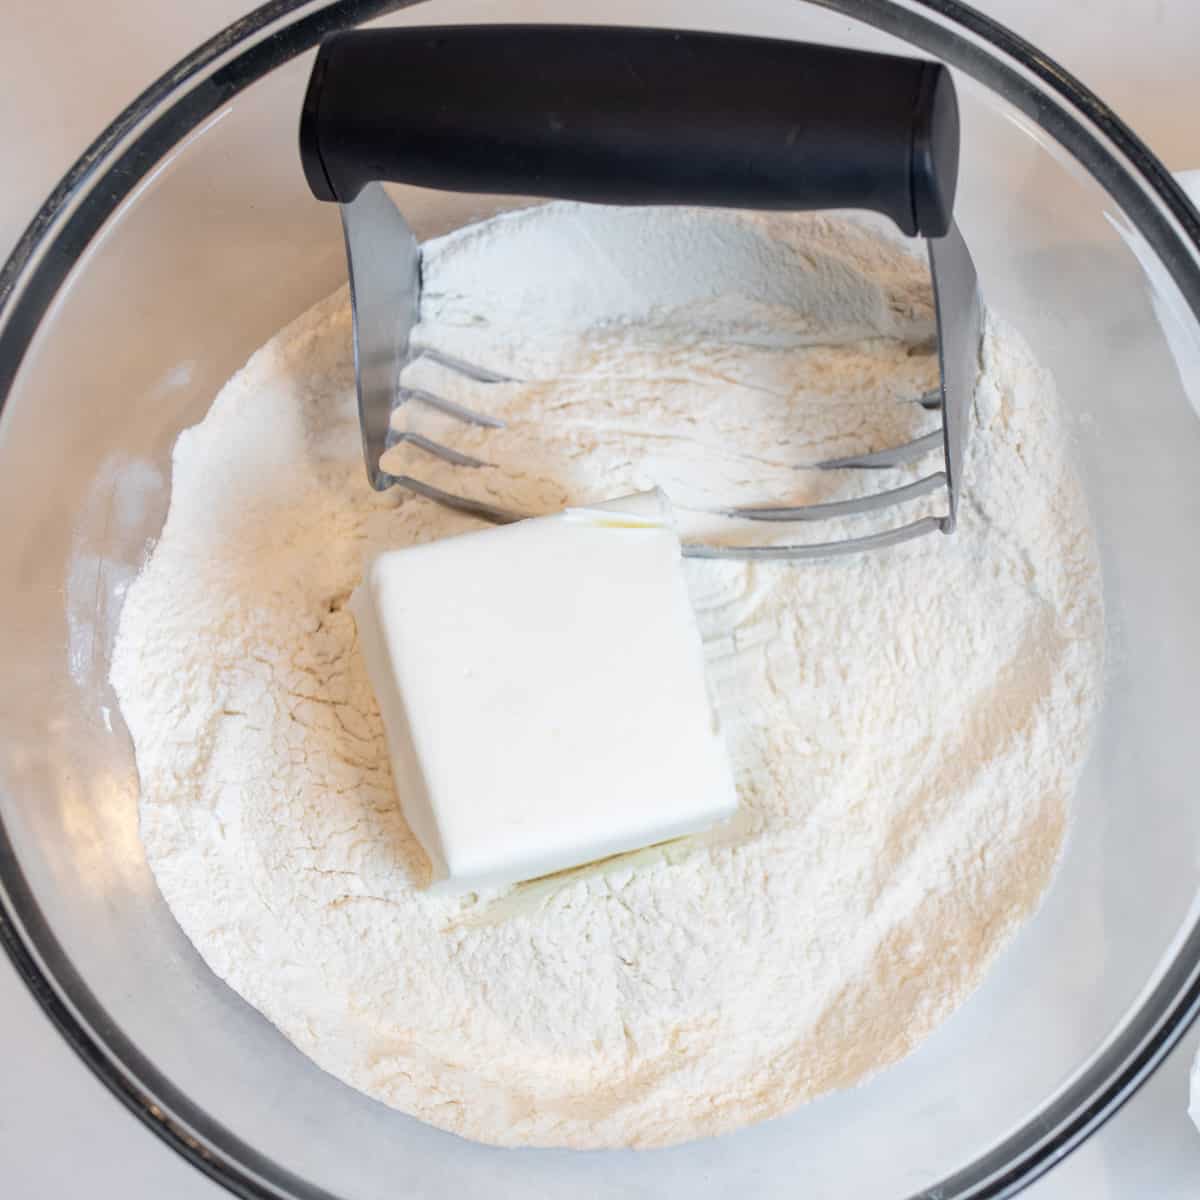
(459, 365)
(439, 450)
(385, 295)
(960, 335)
(870, 541)
(451, 408)
(892, 456)
(476, 508)
(872, 502)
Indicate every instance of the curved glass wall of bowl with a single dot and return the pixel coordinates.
(1090, 997)
(1170, 307)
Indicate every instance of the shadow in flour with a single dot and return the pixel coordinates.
(529, 898)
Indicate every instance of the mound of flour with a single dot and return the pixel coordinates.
(906, 728)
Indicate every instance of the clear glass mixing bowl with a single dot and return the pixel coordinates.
(186, 236)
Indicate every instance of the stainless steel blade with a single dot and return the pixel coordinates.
(960, 333)
(385, 289)
(385, 294)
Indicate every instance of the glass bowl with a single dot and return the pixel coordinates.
(186, 236)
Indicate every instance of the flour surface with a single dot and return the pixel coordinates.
(906, 728)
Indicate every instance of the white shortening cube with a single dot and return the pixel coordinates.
(542, 687)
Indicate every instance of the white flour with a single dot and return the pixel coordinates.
(906, 728)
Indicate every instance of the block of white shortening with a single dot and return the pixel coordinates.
(543, 691)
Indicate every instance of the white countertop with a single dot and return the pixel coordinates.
(66, 67)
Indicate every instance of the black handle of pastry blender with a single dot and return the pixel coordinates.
(633, 116)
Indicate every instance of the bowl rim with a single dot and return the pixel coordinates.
(266, 38)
